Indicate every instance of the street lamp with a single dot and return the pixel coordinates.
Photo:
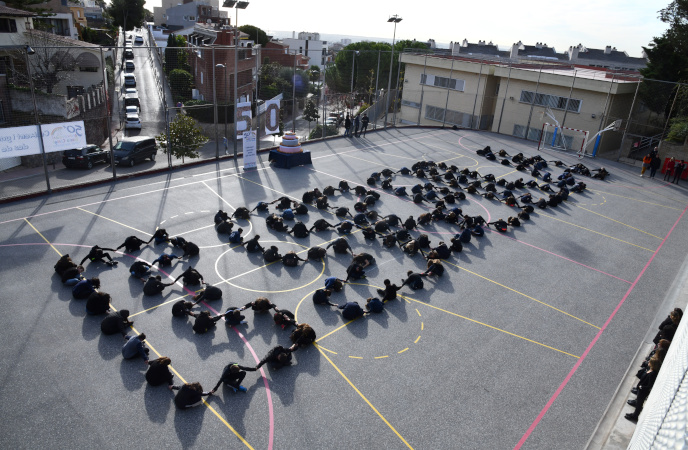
(226, 76)
(353, 64)
(237, 5)
(396, 19)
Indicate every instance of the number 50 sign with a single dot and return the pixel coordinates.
(244, 118)
(272, 113)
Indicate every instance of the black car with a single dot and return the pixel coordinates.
(85, 157)
(131, 150)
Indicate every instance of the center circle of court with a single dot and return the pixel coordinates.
(263, 266)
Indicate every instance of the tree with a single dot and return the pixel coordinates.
(255, 34)
(128, 14)
(186, 137)
(310, 113)
(176, 56)
(49, 64)
(314, 73)
(181, 83)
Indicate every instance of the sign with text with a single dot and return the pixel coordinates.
(243, 122)
(249, 149)
(57, 137)
(272, 114)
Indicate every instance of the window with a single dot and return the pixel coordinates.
(192, 18)
(551, 101)
(443, 82)
(8, 26)
(451, 117)
(410, 104)
(2, 112)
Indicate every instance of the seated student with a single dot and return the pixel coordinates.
(578, 187)
(96, 254)
(322, 297)
(159, 372)
(271, 220)
(284, 202)
(424, 219)
(277, 357)
(154, 285)
(456, 244)
(182, 308)
(392, 220)
(418, 198)
(409, 224)
(370, 200)
(345, 227)
(368, 232)
(316, 253)
(242, 212)
(284, 318)
(344, 186)
(402, 235)
(478, 231)
(190, 276)
(205, 322)
(190, 250)
(232, 376)
(414, 280)
(322, 203)
(513, 221)
(434, 267)
(64, 263)
(235, 236)
(189, 395)
(351, 311)
(220, 216)
(342, 211)
(334, 283)
(360, 219)
(288, 214)
(381, 227)
(387, 184)
(400, 191)
(252, 245)
(374, 305)
(165, 260)
(224, 227)
(389, 292)
(360, 207)
(601, 173)
(299, 230)
(303, 335)
(547, 177)
(279, 225)
(234, 317)
(159, 236)
(300, 208)
(542, 203)
(354, 272)
(364, 259)
(72, 276)
(116, 322)
(209, 294)
(389, 240)
(272, 254)
(409, 247)
(340, 245)
(291, 259)
(259, 305)
(321, 225)
(98, 303)
(499, 224)
(135, 346)
(404, 171)
(84, 288)
(140, 269)
(132, 244)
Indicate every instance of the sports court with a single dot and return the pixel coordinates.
(522, 342)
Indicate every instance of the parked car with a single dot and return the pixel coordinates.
(131, 110)
(138, 39)
(131, 150)
(85, 157)
(130, 80)
(130, 90)
(132, 121)
(129, 65)
(128, 53)
(331, 122)
(132, 100)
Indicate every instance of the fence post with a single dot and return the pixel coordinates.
(446, 103)
(506, 93)
(566, 107)
(109, 115)
(628, 121)
(422, 88)
(477, 91)
(532, 105)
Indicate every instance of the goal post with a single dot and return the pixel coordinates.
(563, 138)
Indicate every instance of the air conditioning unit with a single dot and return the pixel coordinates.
(195, 94)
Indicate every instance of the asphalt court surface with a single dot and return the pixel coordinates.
(522, 342)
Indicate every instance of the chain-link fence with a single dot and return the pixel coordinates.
(194, 101)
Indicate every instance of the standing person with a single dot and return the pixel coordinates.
(232, 376)
(647, 159)
(645, 385)
(357, 125)
(135, 347)
(364, 123)
(678, 170)
(347, 126)
(654, 165)
(669, 169)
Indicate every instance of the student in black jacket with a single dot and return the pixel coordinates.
(116, 322)
(132, 244)
(390, 291)
(189, 395)
(647, 381)
(154, 285)
(232, 376)
(96, 254)
(278, 357)
(159, 372)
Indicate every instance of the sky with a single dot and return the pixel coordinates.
(625, 24)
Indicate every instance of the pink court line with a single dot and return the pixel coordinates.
(563, 384)
(246, 343)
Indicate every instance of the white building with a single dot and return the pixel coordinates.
(310, 45)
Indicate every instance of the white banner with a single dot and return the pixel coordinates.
(272, 114)
(249, 149)
(244, 117)
(23, 141)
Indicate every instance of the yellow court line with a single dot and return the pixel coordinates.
(158, 306)
(356, 357)
(327, 350)
(156, 352)
(418, 312)
(333, 331)
(495, 328)
(636, 200)
(402, 351)
(596, 232)
(111, 220)
(421, 326)
(417, 339)
(508, 173)
(521, 293)
(39, 233)
(363, 397)
(380, 357)
(619, 222)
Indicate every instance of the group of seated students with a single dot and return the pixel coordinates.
(373, 227)
(653, 362)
